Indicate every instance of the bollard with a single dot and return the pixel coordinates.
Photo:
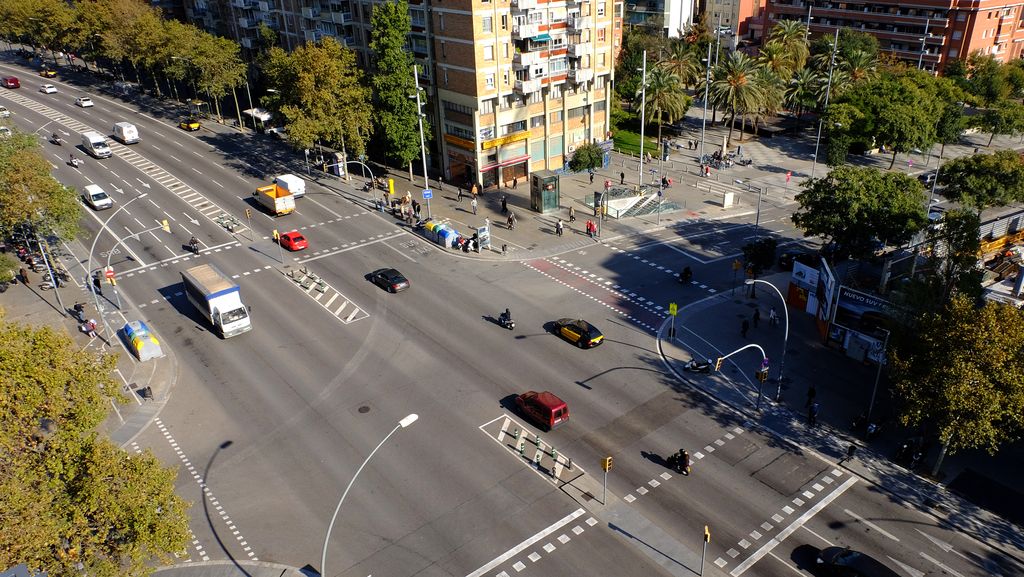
(522, 448)
(554, 454)
(539, 442)
(536, 459)
(568, 464)
(515, 435)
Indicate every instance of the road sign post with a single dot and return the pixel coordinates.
(673, 309)
(704, 550)
(606, 465)
(427, 195)
(277, 239)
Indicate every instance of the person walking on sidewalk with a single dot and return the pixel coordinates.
(572, 213)
(811, 393)
(812, 415)
(460, 193)
(440, 184)
(559, 227)
(473, 204)
(515, 182)
(622, 178)
(591, 176)
(744, 327)
(773, 318)
(757, 317)
(504, 204)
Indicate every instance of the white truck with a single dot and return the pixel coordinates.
(94, 143)
(126, 132)
(292, 184)
(217, 298)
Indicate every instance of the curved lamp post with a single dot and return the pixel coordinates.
(785, 335)
(408, 420)
(95, 293)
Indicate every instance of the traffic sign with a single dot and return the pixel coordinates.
(428, 194)
(673, 308)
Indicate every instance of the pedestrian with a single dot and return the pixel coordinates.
(744, 327)
(440, 183)
(416, 209)
(812, 414)
(474, 205)
(460, 193)
(504, 204)
(757, 317)
(622, 178)
(591, 176)
(850, 451)
(707, 171)
(572, 213)
(24, 276)
(515, 182)
(559, 227)
(811, 393)
(773, 318)
(511, 220)
(79, 309)
(90, 328)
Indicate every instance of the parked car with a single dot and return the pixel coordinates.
(389, 279)
(48, 89)
(801, 255)
(84, 101)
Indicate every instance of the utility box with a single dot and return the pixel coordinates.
(544, 191)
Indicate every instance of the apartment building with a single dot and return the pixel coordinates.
(672, 16)
(928, 32)
(513, 86)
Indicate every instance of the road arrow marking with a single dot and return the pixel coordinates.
(907, 568)
(192, 220)
(947, 547)
(146, 184)
(872, 525)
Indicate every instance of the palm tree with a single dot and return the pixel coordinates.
(666, 99)
(735, 88)
(792, 34)
(859, 65)
(774, 56)
(684, 63)
(773, 90)
(801, 91)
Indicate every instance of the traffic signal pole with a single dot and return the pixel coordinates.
(761, 370)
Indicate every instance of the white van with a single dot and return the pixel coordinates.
(94, 143)
(126, 132)
(95, 197)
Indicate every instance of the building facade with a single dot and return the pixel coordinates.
(928, 32)
(673, 17)
(513, 86)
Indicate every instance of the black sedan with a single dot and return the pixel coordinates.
(847, 562)
(579, 332)
(389, 279)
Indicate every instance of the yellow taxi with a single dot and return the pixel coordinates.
(48, 73)
(190, 124)
(579, 332)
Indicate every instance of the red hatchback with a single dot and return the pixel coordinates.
(293, 240)
(10, 82)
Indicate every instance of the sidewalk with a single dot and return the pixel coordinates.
(710, 328)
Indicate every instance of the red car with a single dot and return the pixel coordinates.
(10, 82)
(293, 240)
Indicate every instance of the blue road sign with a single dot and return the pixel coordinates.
(428, 194)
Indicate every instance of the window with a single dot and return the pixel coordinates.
(557, 65)
(488, 52)
(489, 80)
(556, 116)
(555, 146)
(455, 107)
(601, 59)
(957, 34)
(537, 150)
(598, 82)
(487, 106)
(536, 97)
(537, 121)
(504, 21)
(506, 77)
(961, 17)
(601, 34)
(600, 8)
(953, 52)
(487, 24)
(460, 131)
(440, 21)
(557, 42)
(418, 18)
(599, 106)
(506, 51)
(556, 92)
(445, 76)
(513, 128)
(444, 49)
(577, 112)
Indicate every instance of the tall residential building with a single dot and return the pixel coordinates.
(513, 85)
(929, 32)
(671, 16)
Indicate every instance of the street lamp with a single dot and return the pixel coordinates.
(878, 376)
(164, 225)
(828, 91)
(95, 294)
(807, 33)
(785, 334)
(704, 121)
(927, 35)
(643, 109)
(423, 146)
(408, 420)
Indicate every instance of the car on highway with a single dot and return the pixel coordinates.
(48, 73)
(190, 124)
(389, 279)
(545, 409)
(847, 562)
(48, 89)
(10, 82)
(96, 197)
(4, 113)
(293, 241)
(579, 332)
(84, 101)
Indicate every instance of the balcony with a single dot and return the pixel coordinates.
(313, 35)
(243, 4)
(336, 17)
(521, 31)
(524, 4)
(525, 59)
(528, 86)
(576, 24)
(310, 13)
(582, 49)
(263, 6)
(581, 74)
(247, 23)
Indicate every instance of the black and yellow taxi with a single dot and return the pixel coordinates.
(190, 124)
(579, 332)
(48, 73)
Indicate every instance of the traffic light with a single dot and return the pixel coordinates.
(762, 374)
(707, 534)
(248, 213)
(165, 225)
(606, 464)
(718, 363)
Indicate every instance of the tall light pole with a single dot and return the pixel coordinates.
(164, 225)
(878, 376)
(927, 35)
(807, 33)
(95, 294)
(643, 118)
(408, 420)
(423, 146)
(704, 121)
(785, 335)
(828, 92)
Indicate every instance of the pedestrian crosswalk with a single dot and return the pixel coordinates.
(330, 298)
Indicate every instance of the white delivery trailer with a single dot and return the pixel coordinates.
(292, 184)
(218, 298)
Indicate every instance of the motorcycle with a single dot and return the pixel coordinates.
(74, 162)
(56, 140)
(194, 246)
(679, 462)
(506, 321)
(695, 366)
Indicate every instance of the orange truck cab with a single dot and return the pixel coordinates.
(545, 409)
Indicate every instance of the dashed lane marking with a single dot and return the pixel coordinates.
(535, 556)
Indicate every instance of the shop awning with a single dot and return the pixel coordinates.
(541, 38)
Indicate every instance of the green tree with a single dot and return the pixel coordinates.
(319, 93)
(69, 496)
(856, 207)
(395, 114)
(666, 101)
(801, 92)
(734, 87)
(1004, 117)
(759, 256)
(961, 373)
(984, 180)
(588, 155)
(685, 63)
(773, 56)
(30, 194)
(792, 36)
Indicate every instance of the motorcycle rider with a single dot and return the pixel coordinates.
(686, 275)
(505, 317)
(72, 160)
(194, 244)
(56, 138)
(684, 461)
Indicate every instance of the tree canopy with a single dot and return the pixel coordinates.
(69, 496)
(981, 181)
(858, 207)
(30, 194)
(588, 155)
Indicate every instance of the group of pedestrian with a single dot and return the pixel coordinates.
(559, 228)
(591, 228)
(691, 145)
(755, 318)
(705, 170)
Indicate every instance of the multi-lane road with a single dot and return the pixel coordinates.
(267, 428)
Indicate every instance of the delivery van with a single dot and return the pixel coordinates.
(96, 197)
(126, 132)
(545, 409)
(94, 143)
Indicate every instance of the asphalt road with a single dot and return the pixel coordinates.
(269, 427)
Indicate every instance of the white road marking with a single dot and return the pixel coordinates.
(528, 542)
(872, 525)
